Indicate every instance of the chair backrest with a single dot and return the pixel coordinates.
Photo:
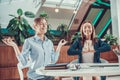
(103, 60)
(20, 67)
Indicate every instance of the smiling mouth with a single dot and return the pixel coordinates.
(43, 28)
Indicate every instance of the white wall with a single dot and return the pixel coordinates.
(11, 8)
(115, 14)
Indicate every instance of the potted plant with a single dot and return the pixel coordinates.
(110, 39)
(75, 36)
(63, 29)
(58, 34)
(19, 26)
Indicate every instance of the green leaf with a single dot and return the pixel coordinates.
(25, 22)
(27, 27)
(22, 38)
(11, 22)
(20, 27)
(29, 14)
(12, 15)
(20, 12)
(43, 14)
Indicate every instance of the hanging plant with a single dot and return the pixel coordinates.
(44, 14)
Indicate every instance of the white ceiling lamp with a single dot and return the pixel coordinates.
(75, 11)
(57, 8)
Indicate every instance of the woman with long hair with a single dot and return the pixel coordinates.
(88, 47)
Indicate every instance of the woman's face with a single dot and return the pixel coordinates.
(87, 29)
(41, 28)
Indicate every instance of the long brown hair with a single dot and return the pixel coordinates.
(93, 37)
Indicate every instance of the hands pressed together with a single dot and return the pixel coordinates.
(92, 51)
(88, 48)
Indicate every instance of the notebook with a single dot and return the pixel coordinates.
(56, 66)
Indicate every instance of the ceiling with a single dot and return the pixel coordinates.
(72, 4)
(98, 12)
(65, 4)
(66, 8)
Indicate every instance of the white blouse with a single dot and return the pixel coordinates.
(88, 57)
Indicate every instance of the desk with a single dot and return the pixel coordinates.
(86, 70)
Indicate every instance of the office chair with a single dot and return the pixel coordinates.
(20, 67)
(20, 70)
(76, 61)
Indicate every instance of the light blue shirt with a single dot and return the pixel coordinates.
(38, 53)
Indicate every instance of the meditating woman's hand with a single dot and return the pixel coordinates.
(92, 51)
(62, 42)
(9, 41)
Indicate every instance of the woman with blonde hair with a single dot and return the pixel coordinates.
(88, 47)
(38, 50)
